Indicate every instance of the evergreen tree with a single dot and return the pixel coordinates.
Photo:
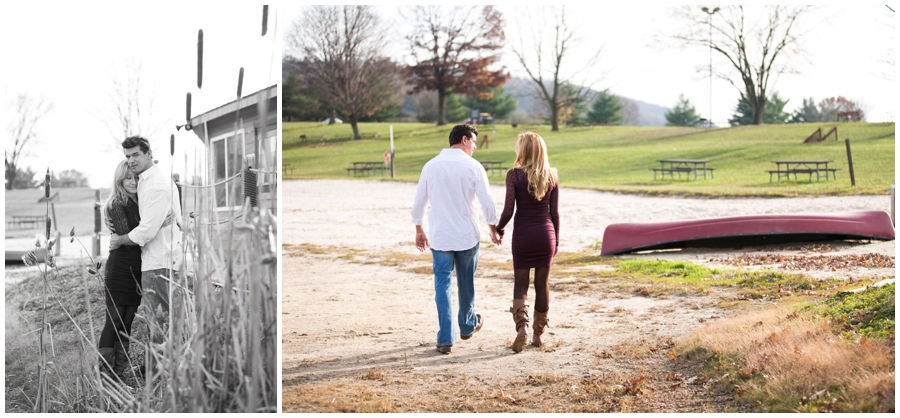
(684, 114)
(499, 105)
(606, 109)
(455, 110)
(774, 112)
(808, 112)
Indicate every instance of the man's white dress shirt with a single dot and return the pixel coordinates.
(157, 196)
(451, 182)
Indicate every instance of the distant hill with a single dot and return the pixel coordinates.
(523, 90)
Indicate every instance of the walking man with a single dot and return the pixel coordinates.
(156, 200)
(451, 182)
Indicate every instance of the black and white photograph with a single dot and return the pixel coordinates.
(141, 207)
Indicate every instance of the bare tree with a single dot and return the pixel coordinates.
(631, 113)
(132, 107)
(886, 28)
(23, 114)
(555, 85)
(447, 44)
(340, 47)
(758, 50)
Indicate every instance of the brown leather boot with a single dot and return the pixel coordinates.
(107, 359)
(540, 321)
(520, 317)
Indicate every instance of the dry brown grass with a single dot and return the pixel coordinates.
(791, 362)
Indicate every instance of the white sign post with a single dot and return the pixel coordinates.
(392, 151)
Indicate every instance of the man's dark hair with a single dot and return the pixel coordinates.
(459, 131)
(137, 140)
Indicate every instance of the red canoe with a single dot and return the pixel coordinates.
(741, 231)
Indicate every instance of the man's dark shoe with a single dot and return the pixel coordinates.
(477, 328)
(444, 348)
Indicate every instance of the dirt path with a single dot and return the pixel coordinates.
(359, 324)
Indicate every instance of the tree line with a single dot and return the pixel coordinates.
(832, 109)
(335, 67)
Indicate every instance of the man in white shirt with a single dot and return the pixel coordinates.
(451, 182)
(156, 197)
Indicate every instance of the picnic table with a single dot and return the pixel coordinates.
(680, 165)
(23, 221)
(366, 168)
(495, 167)
(784, 168)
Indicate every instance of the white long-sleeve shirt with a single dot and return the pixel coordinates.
(156, 197)
(451, 182)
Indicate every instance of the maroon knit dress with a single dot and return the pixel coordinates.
(536, 227)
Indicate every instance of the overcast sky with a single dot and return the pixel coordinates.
(70, 55)
(846, 50)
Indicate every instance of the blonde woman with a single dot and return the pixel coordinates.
(532, 190)
(123, 273)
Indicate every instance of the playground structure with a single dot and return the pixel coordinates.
(818, 137)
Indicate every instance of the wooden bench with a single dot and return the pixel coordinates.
(794, 171)
(26, 221)
(784, 168)
(671, 166)
(495, 167)
(366, 168)
(285, 168)
(671, 172)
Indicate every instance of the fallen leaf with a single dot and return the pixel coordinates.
(633, 386)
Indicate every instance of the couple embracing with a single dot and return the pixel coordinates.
(451, 182)
(139, 212)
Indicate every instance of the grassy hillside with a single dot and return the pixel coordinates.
(619, 158)
(75, 208)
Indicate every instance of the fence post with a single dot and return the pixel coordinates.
(97, 224)
(850, 162)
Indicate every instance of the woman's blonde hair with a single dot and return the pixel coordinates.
(118, 192)
(532, 159)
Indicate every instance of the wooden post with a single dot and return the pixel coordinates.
(392, 151)
(850, 162)
(97, 224)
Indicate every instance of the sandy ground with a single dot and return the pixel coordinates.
(346, 311)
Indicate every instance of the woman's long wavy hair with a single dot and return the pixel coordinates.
(533, 160)
(118, 193)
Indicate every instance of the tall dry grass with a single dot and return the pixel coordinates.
(785, 361)
(221, 350)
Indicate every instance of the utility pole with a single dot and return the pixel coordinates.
(710, 13)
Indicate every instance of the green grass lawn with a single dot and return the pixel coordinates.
(619, 158)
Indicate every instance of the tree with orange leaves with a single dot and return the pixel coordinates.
(447, 46)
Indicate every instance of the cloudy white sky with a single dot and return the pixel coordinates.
(846, 49)
(70, 55)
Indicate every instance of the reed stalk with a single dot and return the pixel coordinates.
(223, 353)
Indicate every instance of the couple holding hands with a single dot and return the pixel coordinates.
(451, 182)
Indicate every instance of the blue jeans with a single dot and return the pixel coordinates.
(443, 262)
(156, 296)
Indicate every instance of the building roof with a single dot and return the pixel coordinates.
(230, 107)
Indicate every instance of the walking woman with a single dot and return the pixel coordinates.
(532, 190)
(123, 273)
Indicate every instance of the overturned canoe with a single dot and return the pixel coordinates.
(741, 231)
